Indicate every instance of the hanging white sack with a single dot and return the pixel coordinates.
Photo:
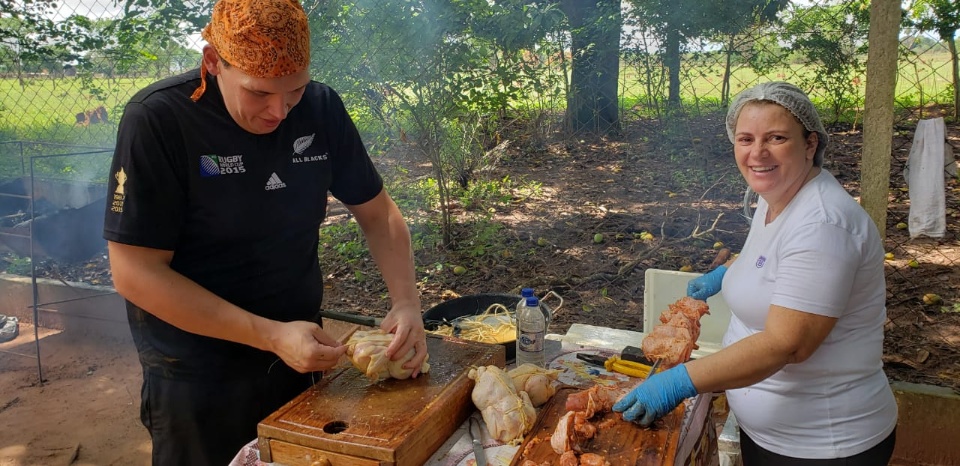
(924, 176)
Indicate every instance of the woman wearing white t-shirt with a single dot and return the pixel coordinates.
(801, 363)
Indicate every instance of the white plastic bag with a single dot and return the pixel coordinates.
(924, 175)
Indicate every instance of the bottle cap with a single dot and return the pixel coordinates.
(533, 301)
(526, 292)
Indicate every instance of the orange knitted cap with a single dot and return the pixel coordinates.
(263, 38)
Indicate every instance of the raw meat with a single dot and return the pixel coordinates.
(367, 350)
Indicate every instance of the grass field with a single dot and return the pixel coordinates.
(44, 109)
(923, 79)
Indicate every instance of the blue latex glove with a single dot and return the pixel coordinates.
(657, 396)
(707, 284)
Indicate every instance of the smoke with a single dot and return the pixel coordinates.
(67, 221)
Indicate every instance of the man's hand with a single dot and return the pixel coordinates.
(707, 284)
(305, 347)
(657, 396)
(406, 323)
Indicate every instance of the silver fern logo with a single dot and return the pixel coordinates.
(300, 147)
(302, 143)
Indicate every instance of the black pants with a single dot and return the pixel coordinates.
(206, 423)
(755, 455)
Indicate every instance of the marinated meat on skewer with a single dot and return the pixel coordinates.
(671, 351)
(674, 339)
(694, 309)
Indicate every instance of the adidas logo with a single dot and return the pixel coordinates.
(274, 183)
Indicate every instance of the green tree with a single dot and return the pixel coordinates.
(592, 103)
(831, 41)
(150, 36)
(942, 17)
(421, 67)
(676, 22)
(127, 47)
(735, 25)
(36, 40)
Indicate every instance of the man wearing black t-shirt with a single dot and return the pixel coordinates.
(220, 184)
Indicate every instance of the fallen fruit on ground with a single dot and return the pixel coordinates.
(931, 299)
(901, 226)
(888, 256)
(459, 270)
(598, 238)
(718, 245)
(686, 268)
(913, 263)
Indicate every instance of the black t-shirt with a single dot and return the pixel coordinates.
(240, 211)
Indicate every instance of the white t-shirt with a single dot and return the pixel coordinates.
(822, 255)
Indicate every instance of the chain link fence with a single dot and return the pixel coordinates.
(453, 78)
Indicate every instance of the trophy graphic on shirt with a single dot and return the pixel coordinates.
(121, 177)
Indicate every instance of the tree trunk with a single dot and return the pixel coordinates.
(952, 44)
(727, 67)
(672, 58)
(592, 103)
(878, 111)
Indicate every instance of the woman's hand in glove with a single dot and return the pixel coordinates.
(707, 284)
(657, 396)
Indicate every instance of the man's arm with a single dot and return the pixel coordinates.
(389, 241)
(143, 276)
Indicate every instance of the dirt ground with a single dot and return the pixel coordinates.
(87, 412)
(647, 181)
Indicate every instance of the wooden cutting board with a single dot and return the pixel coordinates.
(346, 420)
(622, 443)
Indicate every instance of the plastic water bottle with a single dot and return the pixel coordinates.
(524, 294)
(531, 328)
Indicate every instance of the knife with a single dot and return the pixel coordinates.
(653, 369)
(478, 454)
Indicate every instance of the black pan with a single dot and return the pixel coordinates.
(473, 305)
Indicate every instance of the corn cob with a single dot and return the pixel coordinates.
(631, 368)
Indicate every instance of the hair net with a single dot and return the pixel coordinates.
(263, 38)
(789, 97)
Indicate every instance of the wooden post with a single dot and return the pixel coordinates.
(883, 43)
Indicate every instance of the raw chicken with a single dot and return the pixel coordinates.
(507, 412)
(536, 381)
(573, 429)
(367, 350)
(675, 338)
(593, 459)
(569, 458)
(587, 459)
(592, 401)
